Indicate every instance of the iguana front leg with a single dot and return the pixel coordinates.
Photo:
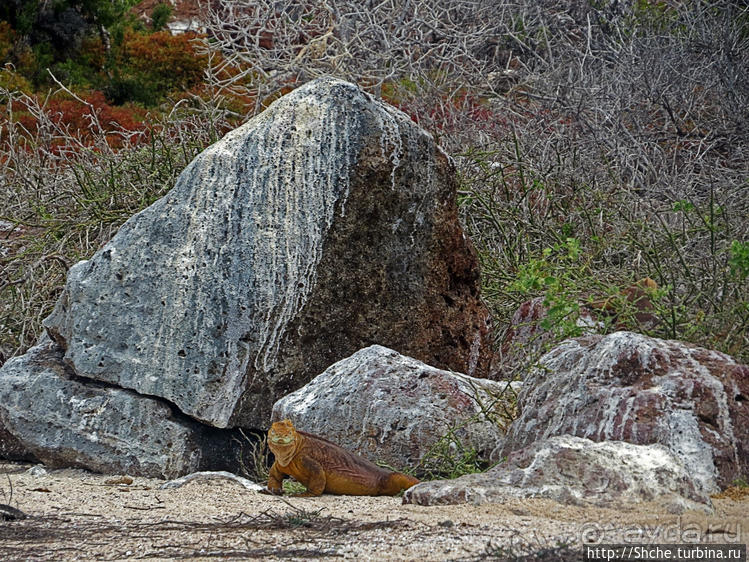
(275, 480)
(314, 478)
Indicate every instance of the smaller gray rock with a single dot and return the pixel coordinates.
(37, 470)
(577, 471)
(394, 409)
(66, 422)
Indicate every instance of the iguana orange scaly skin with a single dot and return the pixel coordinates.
(322, 466)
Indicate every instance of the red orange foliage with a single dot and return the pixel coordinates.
(76, 119)
(171, 59)
(160, 61)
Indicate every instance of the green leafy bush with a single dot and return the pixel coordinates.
(160, 16)
(739, 260)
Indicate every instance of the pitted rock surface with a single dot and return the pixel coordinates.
(55, 418)
(577, 471)
(630, 387)
(325, 224)
(394, 409)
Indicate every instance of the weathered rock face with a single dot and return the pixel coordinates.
(576, 471)
(323, 225)
(394, 409)
(54, 418)
(633, 388)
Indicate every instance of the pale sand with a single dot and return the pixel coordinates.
(77, 515)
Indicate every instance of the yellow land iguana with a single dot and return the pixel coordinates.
(322, 466)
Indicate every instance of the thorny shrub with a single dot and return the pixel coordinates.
(597, 143)
(628, 138)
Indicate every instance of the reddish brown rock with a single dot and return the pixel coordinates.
(642, 390)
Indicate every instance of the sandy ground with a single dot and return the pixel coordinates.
(77, 515)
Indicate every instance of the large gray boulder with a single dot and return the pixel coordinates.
(50, 416)
(630, 387)
(325, 224)
(576, 471)
(395, 409)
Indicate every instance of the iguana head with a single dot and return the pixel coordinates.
(284, 441)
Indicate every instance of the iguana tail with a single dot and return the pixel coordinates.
(396, 482)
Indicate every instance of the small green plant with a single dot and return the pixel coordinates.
(302, 517)
(291, 486)
(739, 259)
(450, 458)
(556, 275)
(740, 482)
(160, 16)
